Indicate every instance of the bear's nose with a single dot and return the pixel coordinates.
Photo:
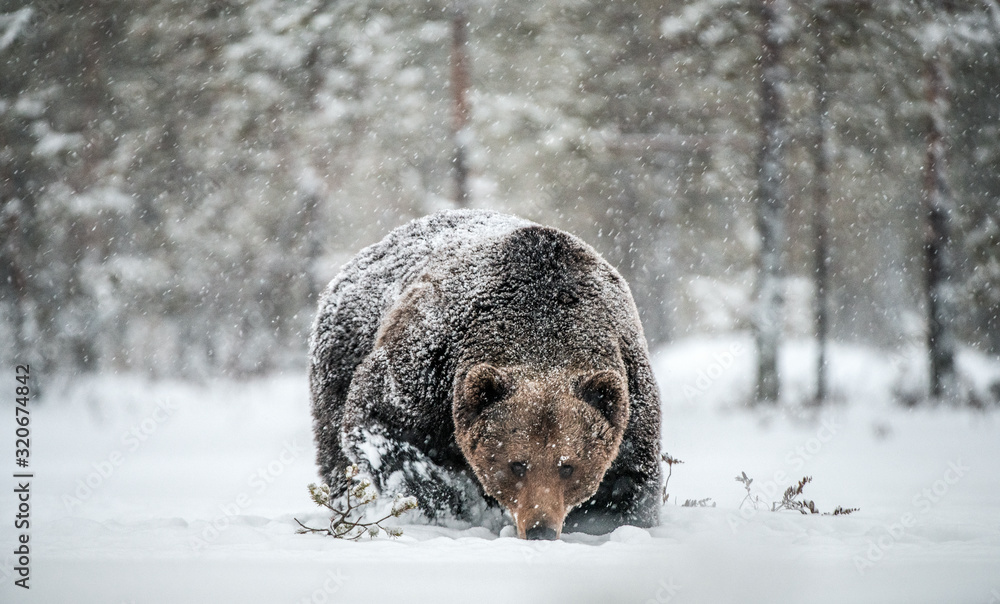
(540, 533)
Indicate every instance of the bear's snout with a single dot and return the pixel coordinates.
(541, 533)
(540, 513)
(541, 527)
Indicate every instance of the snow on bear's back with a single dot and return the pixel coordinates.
(384, 269)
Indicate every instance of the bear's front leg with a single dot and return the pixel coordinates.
(623, 498)
(388, 444)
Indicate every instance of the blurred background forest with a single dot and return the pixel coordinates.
(180, 179)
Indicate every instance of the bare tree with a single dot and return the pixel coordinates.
(938, 205)
(460, 111)
(821, 195)
(771, 197)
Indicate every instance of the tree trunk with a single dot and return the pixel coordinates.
(771, 199)
(460, 108)
(821, 197)
(940, 282)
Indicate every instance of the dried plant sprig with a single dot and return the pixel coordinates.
(698, 503)
(842, 511)
(670, 461)
(790, 499)
(753, 499)
(343, 524)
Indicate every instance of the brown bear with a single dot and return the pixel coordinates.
(476, 358)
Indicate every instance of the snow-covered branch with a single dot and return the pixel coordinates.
(12, 25)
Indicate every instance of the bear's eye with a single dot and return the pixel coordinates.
(519, 468)
(565, 471)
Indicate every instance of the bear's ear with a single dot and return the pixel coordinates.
(484, 386)
(605, 392)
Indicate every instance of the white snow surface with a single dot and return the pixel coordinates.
(179, 492)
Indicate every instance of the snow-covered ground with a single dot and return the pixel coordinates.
(177, 492)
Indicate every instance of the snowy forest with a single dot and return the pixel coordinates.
(803, 196)
(180, 179)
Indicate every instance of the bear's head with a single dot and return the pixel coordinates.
(540, 443)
